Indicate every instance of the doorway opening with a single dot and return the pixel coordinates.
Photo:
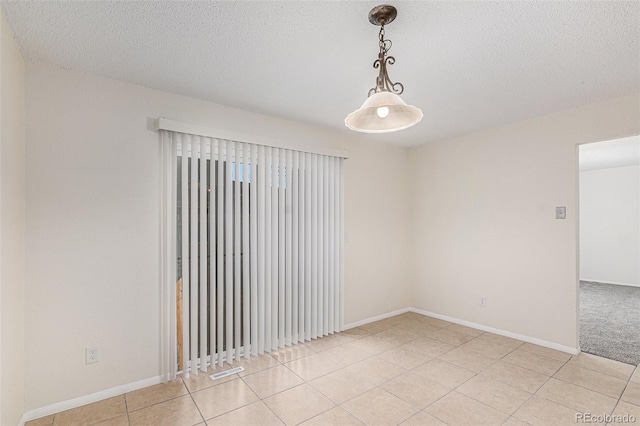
(609, 260)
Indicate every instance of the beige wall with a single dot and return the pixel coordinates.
(433, 227)
(483, 223)
(93, 225)
(12, 225)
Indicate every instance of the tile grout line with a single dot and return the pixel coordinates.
(453, 389)
(410, 370)
(623, 391)
(190, 393)
(589, 389)
(269, 408)
(619, 399)
(476, 374)
(304, 382)
(197, 408)
(427, 361)
(541, 386)
(397, 326)
(191, 396)
(343, 367)
(155, 403)
(126, 408)
(599, 371)
(503, 359)
(262, 400)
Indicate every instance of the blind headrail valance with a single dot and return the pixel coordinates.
(194, 129)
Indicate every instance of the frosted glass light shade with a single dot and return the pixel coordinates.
(367, 119)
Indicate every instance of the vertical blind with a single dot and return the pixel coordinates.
(254, 235)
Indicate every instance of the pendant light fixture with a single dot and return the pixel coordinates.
(384, 110)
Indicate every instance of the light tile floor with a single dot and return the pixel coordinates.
(408, 369)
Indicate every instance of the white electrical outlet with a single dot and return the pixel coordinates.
(92, 354)
(483, 301)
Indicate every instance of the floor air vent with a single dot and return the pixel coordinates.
(226, 373)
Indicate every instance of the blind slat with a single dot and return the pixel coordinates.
(274, 247)
(193, 255)
(246, 252)
(281, 248)
(308, 262)
(268, 247)
(237, 344)
(331, 245)
(315, 253)
(203, 254)
(185, 257)
(220, 247)
(288, 240)
(261, 249)
(262, 245)
(325, 247)
(253, 219)
(341, 245)
(213, 272)
(302, 256)
(321, 271)
(295, 240)
(228, 251)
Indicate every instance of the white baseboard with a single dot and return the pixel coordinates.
(119, 390)
(376, 318)
(87, 399)
(610, 282)
(529, 339)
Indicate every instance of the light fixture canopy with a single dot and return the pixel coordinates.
(384, 110)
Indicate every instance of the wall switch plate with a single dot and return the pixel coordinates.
(483, 301)
(92, 354)
(561, 212)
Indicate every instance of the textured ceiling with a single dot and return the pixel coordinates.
(608, 154)
(468, 65)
